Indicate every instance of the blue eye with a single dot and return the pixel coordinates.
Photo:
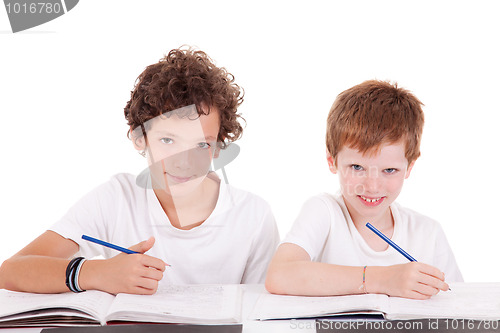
(356, 167)
(390, 170)
(166, 140)
(203, 145)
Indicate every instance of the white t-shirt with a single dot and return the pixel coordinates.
(234, 245)
(324, 229)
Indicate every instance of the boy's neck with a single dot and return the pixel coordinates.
(189, 211)
(383, 222)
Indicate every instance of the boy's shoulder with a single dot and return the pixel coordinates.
(110, 190)
(326, 205)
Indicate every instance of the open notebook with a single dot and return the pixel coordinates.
(479, 301)
(191, 304)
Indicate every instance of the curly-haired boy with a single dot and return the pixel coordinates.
(182, 112)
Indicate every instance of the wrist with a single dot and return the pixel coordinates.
(72, 274)
(373, 279)
(88, 278)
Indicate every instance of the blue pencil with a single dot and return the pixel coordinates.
(111, 246)
(391, 243)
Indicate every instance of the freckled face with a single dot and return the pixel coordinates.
(370, 183)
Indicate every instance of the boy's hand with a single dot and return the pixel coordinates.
(124, 273)
(412, 280)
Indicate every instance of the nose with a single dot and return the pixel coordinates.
(182, 159)
(372, 182)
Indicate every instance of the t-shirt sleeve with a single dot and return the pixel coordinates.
(444, 258)
(311, 228)
(264, 245)
(88, 216)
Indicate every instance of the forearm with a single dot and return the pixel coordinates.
(306, 278)
(411, 280)
(32, 273)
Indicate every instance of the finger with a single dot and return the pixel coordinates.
(148, 284)
(432, 271)
(143, 246)
(142, 291)
(417, 295)
(153, 262)
(152, 273)
(426, 290)
(432, 281)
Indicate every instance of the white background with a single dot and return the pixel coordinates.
(64, 84)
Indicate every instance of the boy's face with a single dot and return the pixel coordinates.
(370, 183)
(180, 150)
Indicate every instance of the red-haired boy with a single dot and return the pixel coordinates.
(373, 138)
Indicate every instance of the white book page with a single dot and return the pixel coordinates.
(180, 304)
(479, 301)
(94, 303)
(271, 306)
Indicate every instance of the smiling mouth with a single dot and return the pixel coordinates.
(178, 179)
(371, 200)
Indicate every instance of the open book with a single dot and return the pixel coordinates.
(480, 301)
(190, 304)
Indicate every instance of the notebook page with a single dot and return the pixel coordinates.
(479, 301)
(94, 303)
(271, 306)
(180, 304)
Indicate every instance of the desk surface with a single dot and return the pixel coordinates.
(252, 292)
(250, 295)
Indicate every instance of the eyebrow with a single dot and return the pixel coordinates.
(164, 133)
(208, 138)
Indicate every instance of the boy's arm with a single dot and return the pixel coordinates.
(41, 267)
(292, 272)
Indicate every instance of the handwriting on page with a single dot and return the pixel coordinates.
(202, 301)
(476, 300)
(278, 306)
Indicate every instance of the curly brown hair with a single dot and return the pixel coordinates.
(185, 77)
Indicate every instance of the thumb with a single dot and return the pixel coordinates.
(143, 246)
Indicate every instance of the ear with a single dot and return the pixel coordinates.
(139, 142)
(408, 170)
(332, 164)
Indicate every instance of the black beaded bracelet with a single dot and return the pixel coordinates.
(72, 271)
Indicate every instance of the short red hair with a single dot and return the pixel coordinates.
(374, 113)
